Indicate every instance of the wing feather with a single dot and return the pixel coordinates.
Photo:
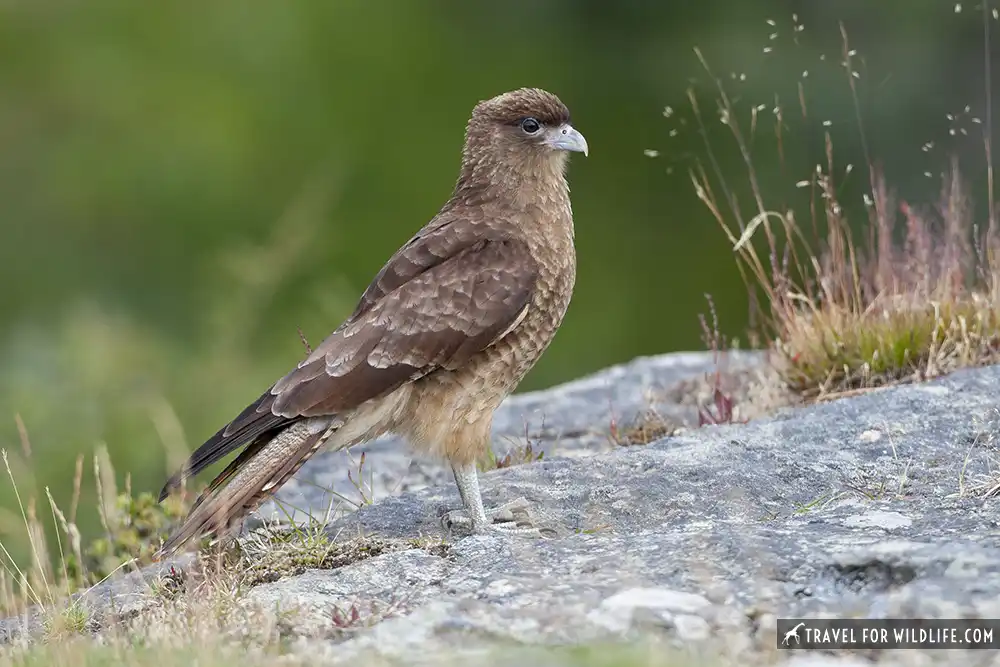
(448, 293)
(437, 319)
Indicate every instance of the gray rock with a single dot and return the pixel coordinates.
(875, 506)
(118, 599)
(866, 506)
(573, 419)
(616, 612)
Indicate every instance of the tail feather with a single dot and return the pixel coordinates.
(253, 476)
(256, 421)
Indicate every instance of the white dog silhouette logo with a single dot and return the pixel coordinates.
(794, 632)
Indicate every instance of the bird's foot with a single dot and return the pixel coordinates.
(511, 518)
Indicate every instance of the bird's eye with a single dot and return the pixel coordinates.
(530, 125)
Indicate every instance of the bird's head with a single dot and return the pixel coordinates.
(528, 120)
(518, 143)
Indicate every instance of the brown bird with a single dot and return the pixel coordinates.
(445, 331)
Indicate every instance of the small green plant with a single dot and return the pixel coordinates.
(136, 527)
(816, 503)
(364, 488)
(594, 530)
(58, 624)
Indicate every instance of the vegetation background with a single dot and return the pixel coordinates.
(184, 184)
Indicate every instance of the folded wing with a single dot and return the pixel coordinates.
(444, 296)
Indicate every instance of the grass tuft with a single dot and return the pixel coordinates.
(60, 624)
(647, 427)
(519, 453)
(516, 455)
(270, 554)
(914, 297)
(134, 528)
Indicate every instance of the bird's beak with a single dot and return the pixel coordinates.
(566, 138)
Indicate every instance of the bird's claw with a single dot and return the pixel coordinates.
(511, 518)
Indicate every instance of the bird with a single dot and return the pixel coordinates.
(444, 332)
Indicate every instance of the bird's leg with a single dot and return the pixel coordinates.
(499, 519)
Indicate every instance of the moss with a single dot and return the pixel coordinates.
(274, 555)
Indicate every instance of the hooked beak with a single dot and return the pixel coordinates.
(566, 138)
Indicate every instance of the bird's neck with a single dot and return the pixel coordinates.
(517, 181)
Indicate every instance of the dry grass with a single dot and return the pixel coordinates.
(133, 528)
(204, 617)
(209, 624)
(982, 481)
(196, 614)
(647, 427)
(519, 452)
(270, 554)
(916, 296)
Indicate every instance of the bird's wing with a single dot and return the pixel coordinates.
(414, 322)
(445, 295)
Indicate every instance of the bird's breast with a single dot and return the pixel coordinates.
(550, 239)
(451, 410)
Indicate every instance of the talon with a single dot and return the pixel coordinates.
(506, 513)
(510, 518)
(511, 529)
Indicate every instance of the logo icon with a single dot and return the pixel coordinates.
(794, 632)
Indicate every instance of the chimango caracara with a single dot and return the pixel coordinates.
(446, 330)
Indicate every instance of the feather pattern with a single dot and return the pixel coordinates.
(443, 332)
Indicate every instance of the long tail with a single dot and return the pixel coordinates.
(260, 470)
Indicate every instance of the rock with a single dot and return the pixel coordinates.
(877, 505)
(321, 595)
(714, 530)
(617, 612)
(888, 521)
(569, 420)
(573, 419)
(118, 599)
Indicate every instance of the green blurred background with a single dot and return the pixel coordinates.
(183, 184)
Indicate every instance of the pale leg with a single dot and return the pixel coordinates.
(494, 519)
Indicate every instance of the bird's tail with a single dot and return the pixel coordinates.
(253, 476)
